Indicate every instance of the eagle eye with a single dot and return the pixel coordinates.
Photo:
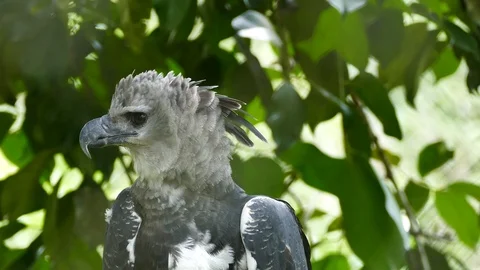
(136, 118)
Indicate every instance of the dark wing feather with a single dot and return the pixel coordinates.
(123, 226)
(272, 236)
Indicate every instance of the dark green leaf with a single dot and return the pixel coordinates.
(391, 157)
(9, 256)
(90, 225)
(336, 224)
(417, 195)
(432, 157)
(65, 249)
(446, 64)
(6, 121)
(285, 116)
(259, 5)
(258, 175)
(356, 133)
(254, 25)
(22, 192)
(10, 229)
(375, 97)
(318, 108)
(171, 13)
(415, 56)
(240, 83)
(461, 39)
(465, 188)
(354, 42)
(385, 35)
(332, 262)
(460, 215)
(375, 234)
(436, 259)
(344, 6)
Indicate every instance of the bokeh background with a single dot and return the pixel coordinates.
(370, 108)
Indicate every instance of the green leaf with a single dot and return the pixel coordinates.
(90, 225)
(466, 189)
(6, 121)
(436, 259)
(461, 39)
(9, 256)
(460, 215)
(432, 157)
(385, 35)
(332, 262)
(347, 36)
(318, 108)
(345, 6)
(16, 148)
(354, 41)
(375, 234)
(64, 247)
(391, 157)
(240, 83)
(418, 49)
(356, 133)
(375, 97)
(171, 13)
(336, 224)
(446, 64)
(258, 175)
(22, 192)
(254, 25)
(286, 116)
(417, 195)
(327, 35)
(255, 109)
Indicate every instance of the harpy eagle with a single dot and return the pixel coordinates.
(185, 211)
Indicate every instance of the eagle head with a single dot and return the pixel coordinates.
(167, 123)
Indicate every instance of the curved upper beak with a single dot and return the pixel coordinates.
(101, 132)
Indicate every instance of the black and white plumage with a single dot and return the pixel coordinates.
(185, 211)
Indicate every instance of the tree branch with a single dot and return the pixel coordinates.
(415, 229)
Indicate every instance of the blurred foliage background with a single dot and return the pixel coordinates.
(370, 108)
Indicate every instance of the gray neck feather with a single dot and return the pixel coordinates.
(200, 167)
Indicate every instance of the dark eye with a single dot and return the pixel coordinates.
(136, 118)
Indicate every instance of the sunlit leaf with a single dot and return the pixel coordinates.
(332, 262)
(286, 116)
(432, 157)
(460, 215)
(375, 96)
(344, 6)
(417, 195)
(374, 234)
(258, 175)
(252, 24)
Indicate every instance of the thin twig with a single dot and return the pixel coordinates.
(415, 226)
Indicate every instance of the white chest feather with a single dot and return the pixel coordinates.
(196, 255)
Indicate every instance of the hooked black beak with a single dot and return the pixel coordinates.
(101, 132)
